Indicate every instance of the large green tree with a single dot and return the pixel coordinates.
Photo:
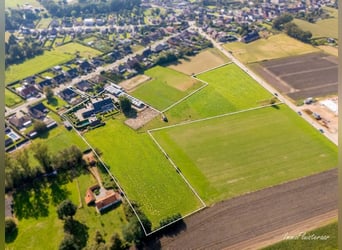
(66, 209)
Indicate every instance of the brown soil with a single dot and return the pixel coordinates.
(261, 217)
(311, 75)
(131, 84)
(142, 118)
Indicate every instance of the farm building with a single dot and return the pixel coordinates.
(108, 201)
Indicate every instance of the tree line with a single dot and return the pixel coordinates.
(19, 170)
(84, 7)
(17, 52)
(284, 22)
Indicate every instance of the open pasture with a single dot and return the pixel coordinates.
(205, 60)
(165, 87)
(36, 65)
(229, 89)
(324, 27)
(311, 75)
(143, 171)
(276, 46)
(240, 153)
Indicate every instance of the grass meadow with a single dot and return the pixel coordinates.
(35, 65)
(143, 171)
(206, 59)
(229, 156)
(38, 224)
(276, 46)
(59, 55)
(331, 243)
(229, 89)
(165, 88)
(322, 28)
(12, 99)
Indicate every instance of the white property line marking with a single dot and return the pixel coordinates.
(195, 91)
(213, 117)
(110, 174)
(177, 169)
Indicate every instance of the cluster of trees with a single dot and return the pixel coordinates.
(280, 21)
(75, 233)
(294, 31)
(125, 105)
(19, 169)
(86, 7)
(284, 22)
(17, 17)
(18, 52)
(133, 232)
(170, 219)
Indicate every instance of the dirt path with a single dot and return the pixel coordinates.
(263, 217)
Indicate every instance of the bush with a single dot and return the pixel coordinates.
(10, 226)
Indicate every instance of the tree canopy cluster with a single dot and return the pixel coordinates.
(87, 7)
(280, 21)
(294, 31)
(17, 52)
(19, 169)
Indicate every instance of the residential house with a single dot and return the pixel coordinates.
(72, 73)
(99, 107)
(84, 86)
(44, 83)
(20, 121)
(38, 111)
(67, 94)
(250, 37)
(27, 91)
(112, 198)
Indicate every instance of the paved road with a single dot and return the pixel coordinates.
(249, 219)
(282, 98)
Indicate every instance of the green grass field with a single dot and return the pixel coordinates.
(230, 89)
(38, 224)
(55, 104)
(330, 230)
(14, 3)
(36, 65)
(226, 157)
(165, 88)
(11, 99)
(59, 137)
(72, 47)
(324, 27)
(59, 55)
(143, 172)
(276, 46)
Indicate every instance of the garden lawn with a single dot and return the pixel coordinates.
(331, 243)
(229, 90)
(229, 156)
(166, 87)
(276, 46)
(39, 226)
(143, 172)
(11, 99)
(55, 104)
(60, 138)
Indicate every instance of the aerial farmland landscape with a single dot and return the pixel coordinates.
(146, 124)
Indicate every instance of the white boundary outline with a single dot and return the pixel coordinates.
(163, 151)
